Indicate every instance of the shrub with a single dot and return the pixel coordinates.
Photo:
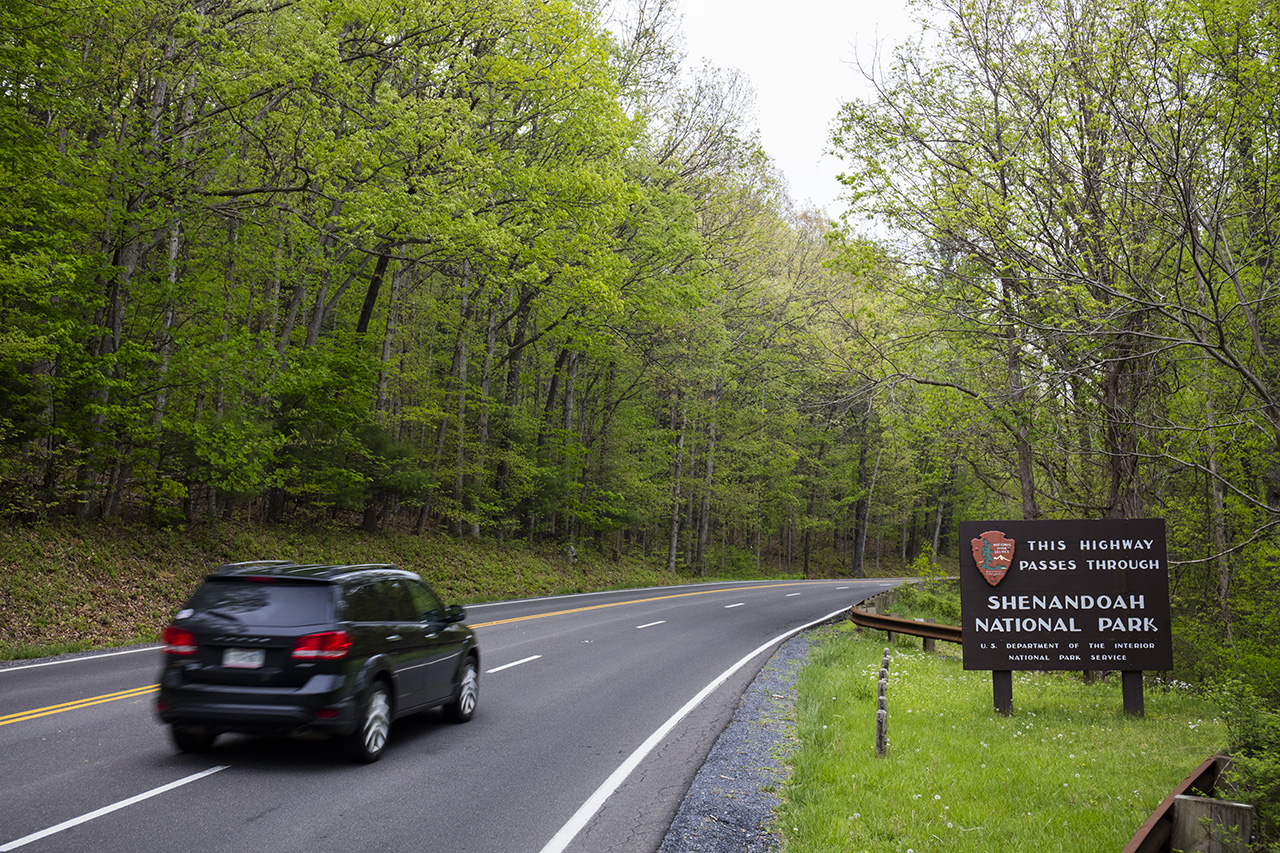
(1253, 731)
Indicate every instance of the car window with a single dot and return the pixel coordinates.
(402, 606)
(366, 603)
(267, 605)
(428, 607)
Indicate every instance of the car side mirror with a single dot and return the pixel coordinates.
(454, 613)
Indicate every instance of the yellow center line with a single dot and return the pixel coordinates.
(22, 716)
(635, 601)
(79, 703)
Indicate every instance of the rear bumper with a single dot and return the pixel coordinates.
(320, 705)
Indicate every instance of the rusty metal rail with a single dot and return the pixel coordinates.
(1153, 836)
(896, 625)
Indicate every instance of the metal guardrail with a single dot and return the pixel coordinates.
(897, 625)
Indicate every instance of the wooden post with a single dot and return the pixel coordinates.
(1210, 826)
(882, 727)
(1131, 686)
(930, 644)
(1002, 688)
(882, 712)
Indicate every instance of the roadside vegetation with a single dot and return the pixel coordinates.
(1066, 771)
(75, 587)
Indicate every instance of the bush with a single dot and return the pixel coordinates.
(1254, 735)
(929, 601)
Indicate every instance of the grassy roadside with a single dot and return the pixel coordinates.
(1067, 771)
(71, 588)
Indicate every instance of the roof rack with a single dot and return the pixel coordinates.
(228, 568)
(297, 570)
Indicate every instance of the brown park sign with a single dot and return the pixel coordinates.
(1065, 595)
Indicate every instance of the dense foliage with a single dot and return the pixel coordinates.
(1087, 195)
(486, 267)
(513, 270)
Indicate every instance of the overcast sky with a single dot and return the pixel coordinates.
(799, 55)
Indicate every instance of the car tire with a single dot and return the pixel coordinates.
(463, 706)
(192, 739)
(367, 743)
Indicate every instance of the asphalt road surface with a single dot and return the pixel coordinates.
(595, 713)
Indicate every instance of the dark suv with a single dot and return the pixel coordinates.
(272, 646)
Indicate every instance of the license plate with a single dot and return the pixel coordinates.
(243, 658)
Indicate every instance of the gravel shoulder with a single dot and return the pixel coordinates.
(729, 808)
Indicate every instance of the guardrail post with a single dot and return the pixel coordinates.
(930, 644)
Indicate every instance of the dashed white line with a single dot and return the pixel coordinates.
(76, 821)
(651, 624)
(793, 594)
(730, 606)
(513, 663)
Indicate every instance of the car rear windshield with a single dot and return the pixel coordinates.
(269, 605)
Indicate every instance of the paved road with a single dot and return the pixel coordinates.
(595, 713)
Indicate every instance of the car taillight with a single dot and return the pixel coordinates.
(178, 641)
(328, 645)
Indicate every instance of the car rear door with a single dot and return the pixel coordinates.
(382, 615)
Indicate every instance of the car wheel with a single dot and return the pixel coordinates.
(463, 706)
(367, 742)
(192, 738)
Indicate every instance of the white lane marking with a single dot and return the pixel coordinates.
(730, 606)
(793, 594)
(3, 670)
(651, 624)
(842, 587)
(76, 821)
(513, 663)
(596, 801)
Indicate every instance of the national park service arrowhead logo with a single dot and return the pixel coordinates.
(993, 552)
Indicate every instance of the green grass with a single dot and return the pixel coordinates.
(1067, 771)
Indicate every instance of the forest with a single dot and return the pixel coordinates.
(520, 270)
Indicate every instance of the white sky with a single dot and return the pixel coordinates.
(799, 56)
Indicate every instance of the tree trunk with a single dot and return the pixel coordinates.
(460, 410)
(677, 473)
(704, 521)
